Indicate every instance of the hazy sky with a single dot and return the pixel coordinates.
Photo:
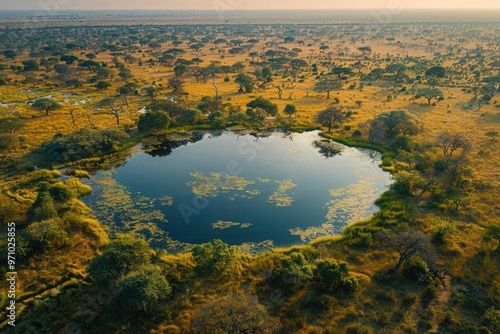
(245, 4)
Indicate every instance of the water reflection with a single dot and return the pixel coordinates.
(246, 188)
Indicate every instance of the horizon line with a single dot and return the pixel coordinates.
(250, 9)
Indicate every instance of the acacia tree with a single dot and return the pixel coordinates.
(480, 101)
(429, 94)
(398, 122)
(46, 104)
(111, 103)
(245, 81)
(130, 88)
(327, 85)
(455, 164)
(176, 83)
(232, 314)
(408, 243)
(449, 143)
(330, 116)
(151, 91)
(341, 71)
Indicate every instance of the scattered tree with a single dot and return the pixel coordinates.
(436, 71)
(110, 102)
(429, 94)
(30, 65)
(235, 313)
(327, 85)
(329, 117)
(153, 121)
(46, 104)
(263, 104)
(103, 85)
(407, 243)
(245, 81)
(10, 54)
(151, 91)
(290, 110)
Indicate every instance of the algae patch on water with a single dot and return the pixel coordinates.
(216, 183)
(349, 205)
(281, 197)
(124, 211)
(224, 225)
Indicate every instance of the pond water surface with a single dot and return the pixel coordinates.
(257, 191)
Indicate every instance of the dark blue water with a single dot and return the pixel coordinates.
(259, 165)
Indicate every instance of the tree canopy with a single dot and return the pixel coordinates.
(153, 121)
(121, 256)
(429, 94)
(330, 116)
(245, 81)
(47, 104)
(327, 85)
(266, 105)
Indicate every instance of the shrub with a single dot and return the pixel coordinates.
(121, 256)
(333, 277)
(141, 289)
(46, 233)
(60, 192)
(429, 294)
(190, 116)
(293, 272)
(43, 208)
(213, 258)
(417, 270)
(387, 161)
(424, 325)
(79, 189)
(357, 133)
(103, 85)
(82, 144)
